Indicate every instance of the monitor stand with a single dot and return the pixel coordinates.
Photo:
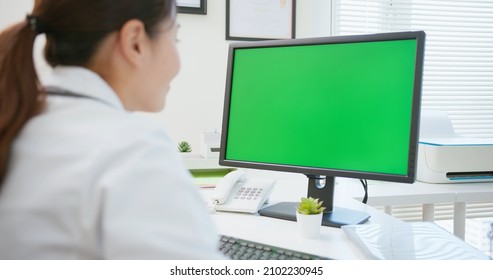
(333, 216)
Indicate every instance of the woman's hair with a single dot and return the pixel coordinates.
(73, 29)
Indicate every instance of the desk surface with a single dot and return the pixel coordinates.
(391, 194)
(386, 193)
(332, 242)
(470, 192)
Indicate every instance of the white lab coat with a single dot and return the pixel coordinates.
(88, 180)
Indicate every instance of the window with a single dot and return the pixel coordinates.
(458, 69)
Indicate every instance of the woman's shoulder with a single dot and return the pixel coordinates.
(94, 126)
(90, 115)
(134, 129)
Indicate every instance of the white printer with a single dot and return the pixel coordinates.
(444, 157)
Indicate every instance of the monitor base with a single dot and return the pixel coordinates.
(336, 218)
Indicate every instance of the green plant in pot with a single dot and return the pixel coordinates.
(310, 206)
(184, 147)
(309, 214)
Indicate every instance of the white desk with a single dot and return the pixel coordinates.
(467, 193)
(391, 194)
(291, 187)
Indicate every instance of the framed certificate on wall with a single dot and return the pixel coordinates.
(260, 19)
(192, 6)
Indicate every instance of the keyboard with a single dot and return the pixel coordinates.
(240, 249)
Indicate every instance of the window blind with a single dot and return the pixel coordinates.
(458, 69)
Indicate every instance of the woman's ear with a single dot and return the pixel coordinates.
(132, 41)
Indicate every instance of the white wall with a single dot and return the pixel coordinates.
(195, 102)
(13, 11)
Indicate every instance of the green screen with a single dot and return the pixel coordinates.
(340, 106)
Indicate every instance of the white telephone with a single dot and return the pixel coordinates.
(236, 194)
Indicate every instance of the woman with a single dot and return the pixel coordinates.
(82, 178)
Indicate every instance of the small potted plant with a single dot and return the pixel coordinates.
(184, 147)
(309, 216)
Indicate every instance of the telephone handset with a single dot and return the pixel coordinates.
(236, 194)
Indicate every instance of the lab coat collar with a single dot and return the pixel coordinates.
(84, 82)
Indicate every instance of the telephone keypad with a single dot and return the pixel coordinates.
(248, 193)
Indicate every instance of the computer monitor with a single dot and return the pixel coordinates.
(342, 106)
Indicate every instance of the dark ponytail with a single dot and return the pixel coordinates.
(20, 94)
(74, 29)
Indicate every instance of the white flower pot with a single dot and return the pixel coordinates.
(309, 225)
(188, 155)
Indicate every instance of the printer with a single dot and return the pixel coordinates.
(455, 160)
(444, 157)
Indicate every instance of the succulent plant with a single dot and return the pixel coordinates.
(310, 206)
(184, 147)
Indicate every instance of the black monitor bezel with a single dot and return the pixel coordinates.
(419, 36)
